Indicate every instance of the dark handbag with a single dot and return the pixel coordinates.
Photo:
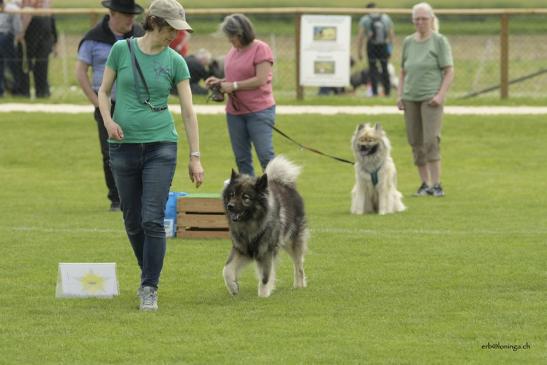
(139, 77)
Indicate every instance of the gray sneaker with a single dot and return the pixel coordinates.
(149, 299)
(423, 190)
(437, 190)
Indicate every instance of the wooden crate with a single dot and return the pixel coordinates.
(201, 216)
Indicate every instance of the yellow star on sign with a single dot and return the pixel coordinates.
(92, 283)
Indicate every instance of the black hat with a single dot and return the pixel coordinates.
(123, 6)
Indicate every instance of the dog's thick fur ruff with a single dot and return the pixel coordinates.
(264, 215)
(375, 189)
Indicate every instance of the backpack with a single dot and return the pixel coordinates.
(379, 31)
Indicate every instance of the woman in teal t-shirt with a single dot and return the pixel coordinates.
(142, 134)
(427, 70)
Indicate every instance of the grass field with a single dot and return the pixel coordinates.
(431, 285)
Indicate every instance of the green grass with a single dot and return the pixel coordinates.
(431, 285)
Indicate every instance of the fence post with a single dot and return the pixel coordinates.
(299, 89)
(504, 54)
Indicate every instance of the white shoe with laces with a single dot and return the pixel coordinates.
(149, 299)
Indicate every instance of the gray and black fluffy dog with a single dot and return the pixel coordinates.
(264, 215)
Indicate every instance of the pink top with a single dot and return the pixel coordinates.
(240, 64)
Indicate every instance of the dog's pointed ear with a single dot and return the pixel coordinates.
(234, 175)
(378, 127)
(261, 183)
(360, 126)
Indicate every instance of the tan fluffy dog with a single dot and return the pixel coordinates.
(375, 189)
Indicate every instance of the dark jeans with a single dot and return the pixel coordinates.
(143, 174)
(7, 58)
(378, 53)
(39, 43)
(103, 139)
(255, 128)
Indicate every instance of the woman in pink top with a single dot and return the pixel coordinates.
(250, 110)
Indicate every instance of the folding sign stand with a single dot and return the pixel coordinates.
(82, 280)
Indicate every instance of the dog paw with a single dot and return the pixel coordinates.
(264, 294)
(233, 287)
(264, 291)
(299, 284)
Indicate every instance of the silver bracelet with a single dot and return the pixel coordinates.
(195, 154)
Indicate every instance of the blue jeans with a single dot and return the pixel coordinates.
(143, 175)
(255, 128)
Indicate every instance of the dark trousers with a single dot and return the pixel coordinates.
(103, 139)
(144, 172)
(378, 53)
(21, 85)
(39, 41)
(7, 58)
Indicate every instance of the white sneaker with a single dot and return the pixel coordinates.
(149, 299)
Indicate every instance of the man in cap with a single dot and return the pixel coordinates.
(93, 52)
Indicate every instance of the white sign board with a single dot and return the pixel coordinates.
(87, 280)
(325, 50)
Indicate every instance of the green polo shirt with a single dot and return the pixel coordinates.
(161, 71)
(423, 63)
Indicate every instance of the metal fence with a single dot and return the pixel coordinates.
(499, 52)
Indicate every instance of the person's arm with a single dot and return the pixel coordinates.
(83, 79)
(361, 42)
(17, 25)
(113, 129)
(391, 35)
(53, 30)
(195, 170)
(263, 70)
(400, 88)
(448, 77)
(213, 80)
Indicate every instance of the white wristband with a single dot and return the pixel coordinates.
(235, 85)
(195, 154)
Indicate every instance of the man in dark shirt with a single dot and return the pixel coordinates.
(93, 52)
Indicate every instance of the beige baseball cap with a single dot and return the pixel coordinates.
(172, 12)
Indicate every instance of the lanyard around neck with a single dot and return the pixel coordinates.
(138, 75)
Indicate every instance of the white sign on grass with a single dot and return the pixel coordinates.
(87, 280)
(325, 50)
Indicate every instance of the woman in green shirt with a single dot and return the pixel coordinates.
(143, 137)
(427, 70)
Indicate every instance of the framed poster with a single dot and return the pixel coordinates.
(325, 50)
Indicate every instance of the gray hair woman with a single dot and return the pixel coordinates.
(427, 72)
(250, 111)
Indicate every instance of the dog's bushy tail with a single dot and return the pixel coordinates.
(282, 171)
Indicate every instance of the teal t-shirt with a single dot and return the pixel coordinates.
(423, 63)
(161, 71)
